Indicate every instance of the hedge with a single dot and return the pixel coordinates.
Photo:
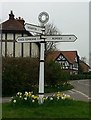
(21, 74)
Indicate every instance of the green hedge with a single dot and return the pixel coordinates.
(80, 76)
(21, 74)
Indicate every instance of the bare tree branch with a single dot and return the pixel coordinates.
(50, 29)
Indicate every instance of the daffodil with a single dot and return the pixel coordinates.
(58, 98)
(63, 98)
(51, 98)
(26, 94)
(44, 98)
(20, 96)
(25, 98)
(35, 97)
(33, 101)
(32, 96)
(14, 101)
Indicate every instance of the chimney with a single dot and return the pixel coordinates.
(11, 15)
(21, 20)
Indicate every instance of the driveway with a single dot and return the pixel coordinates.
(81, 90)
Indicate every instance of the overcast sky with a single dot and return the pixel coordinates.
(68, 17)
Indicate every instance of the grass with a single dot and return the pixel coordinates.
(63, 109)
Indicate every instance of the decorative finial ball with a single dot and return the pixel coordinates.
(43, 17)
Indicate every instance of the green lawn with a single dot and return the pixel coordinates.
(63, 109)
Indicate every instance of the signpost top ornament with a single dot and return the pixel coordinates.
(43, 17)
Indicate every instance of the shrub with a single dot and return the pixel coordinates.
(52, 73)
(21, 74)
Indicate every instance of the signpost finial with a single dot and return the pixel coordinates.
(43, 17)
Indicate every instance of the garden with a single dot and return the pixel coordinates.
(59, 105)
(20, 80)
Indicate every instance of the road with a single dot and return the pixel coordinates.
(81, 90)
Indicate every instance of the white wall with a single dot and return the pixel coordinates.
(10, 49)
(3, 36)
(26, 49)
(10, 36)
(34, 49)
(3, 48)
(17, 49)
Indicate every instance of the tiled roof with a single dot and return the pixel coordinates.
(12, 24)
(69, 55)
(53, 55)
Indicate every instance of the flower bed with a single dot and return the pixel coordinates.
(28, 98)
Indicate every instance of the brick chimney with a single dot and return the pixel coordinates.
(11, 15)
(21, 20)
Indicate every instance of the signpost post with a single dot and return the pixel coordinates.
(42, 39)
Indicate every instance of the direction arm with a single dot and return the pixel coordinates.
(30, 39)
(59, 38)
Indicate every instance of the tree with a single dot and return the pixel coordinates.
(50, 29)
(83, 59)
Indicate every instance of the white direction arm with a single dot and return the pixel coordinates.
(60, 38)
(30, 39)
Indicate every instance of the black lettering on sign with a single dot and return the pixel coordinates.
(32, 28)
(56, 38)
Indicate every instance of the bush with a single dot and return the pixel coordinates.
(80, 76)
(52, 73)
(19, 74)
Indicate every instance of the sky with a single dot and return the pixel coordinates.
(68, 17)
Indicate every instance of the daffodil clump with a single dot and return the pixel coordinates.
(30, 98)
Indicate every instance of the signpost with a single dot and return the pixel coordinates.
(42, 39)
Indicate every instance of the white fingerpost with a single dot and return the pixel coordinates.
(41, 73)
(42, 39)
(43, 18)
